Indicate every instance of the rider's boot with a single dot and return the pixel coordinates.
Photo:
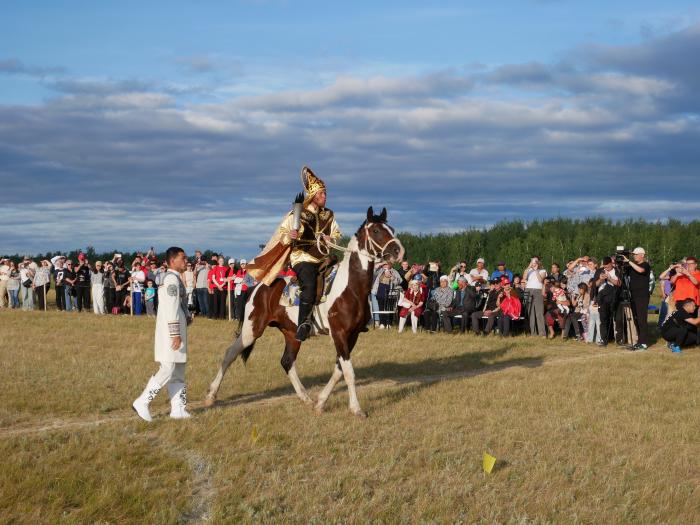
(304, 324)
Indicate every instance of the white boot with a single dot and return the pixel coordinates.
(178, 400)
(140, 405)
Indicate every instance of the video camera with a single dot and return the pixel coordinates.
(619, 256)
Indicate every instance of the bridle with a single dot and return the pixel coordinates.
(377, 253)
(370, 242)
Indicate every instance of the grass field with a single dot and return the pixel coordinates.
(582, 434)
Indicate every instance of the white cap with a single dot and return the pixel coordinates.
(639, 250)
(232, 261)
(243, 261)
(480, 260)
(444, 277)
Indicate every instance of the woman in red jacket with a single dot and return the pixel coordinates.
(412, 304)
(509, 307)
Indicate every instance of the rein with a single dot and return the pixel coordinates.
(324, 247)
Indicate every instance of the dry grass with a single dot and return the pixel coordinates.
(583, 435)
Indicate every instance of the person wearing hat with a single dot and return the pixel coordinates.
(97, 281)
(501, 270)
(300, 244)
(508, 307)
(640, 292)
(479, 274)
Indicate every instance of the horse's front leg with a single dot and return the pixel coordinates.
(343, 348)
(289, 363)
(326, 392)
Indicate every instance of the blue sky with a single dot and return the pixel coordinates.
(124, 125)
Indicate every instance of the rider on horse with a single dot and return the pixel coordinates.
(305, 246)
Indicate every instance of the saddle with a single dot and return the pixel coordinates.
(326, 276)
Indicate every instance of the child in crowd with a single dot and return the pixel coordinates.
(150, 299)
(559, 296)
(593, 335)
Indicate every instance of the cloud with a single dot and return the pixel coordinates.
(130, 163)
(13, 66)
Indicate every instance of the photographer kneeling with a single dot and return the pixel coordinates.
(681, 328)
(639, 291)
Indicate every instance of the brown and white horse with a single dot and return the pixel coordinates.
(345, 312)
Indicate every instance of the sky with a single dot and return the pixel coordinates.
(130, 124)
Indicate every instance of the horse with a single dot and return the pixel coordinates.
(346, 313)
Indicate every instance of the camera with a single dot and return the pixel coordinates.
(619, 256)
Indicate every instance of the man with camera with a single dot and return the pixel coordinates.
(490, 311)
(639, 294)
(606, 283)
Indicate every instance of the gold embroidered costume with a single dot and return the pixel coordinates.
(309, 247)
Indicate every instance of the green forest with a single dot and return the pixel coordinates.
(554, 240)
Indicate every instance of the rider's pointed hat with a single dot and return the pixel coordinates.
(312, 184)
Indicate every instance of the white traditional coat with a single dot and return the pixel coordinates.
(171, 319)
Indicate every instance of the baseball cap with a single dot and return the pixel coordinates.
(444, 278)
(232, 261)
(639, 250)
(243, 261)
(480, 260)
(500, 263)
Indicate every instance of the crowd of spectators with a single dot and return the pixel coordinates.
(215, 290)
(587, 299)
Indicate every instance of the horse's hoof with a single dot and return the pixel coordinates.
(360, 413)
(209, 402)
(318, 408)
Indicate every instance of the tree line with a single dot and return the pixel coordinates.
(556, 240)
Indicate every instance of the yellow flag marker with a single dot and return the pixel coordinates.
(489, 462)
(254, 434)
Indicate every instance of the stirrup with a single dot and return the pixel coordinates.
(303, 331)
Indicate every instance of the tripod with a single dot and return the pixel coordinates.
(624, 314)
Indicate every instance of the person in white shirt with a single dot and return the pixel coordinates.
(172, 320)
(534, 276)
(4, 278)
(479, 274)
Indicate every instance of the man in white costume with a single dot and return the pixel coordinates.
(171, 340)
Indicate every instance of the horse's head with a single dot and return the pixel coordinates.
(377, 238)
